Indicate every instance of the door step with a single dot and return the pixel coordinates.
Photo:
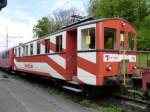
(73, 82)
(72, 89)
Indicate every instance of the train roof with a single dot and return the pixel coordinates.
(75, 25)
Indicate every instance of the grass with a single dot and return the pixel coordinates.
(84, 102)
(110, 109)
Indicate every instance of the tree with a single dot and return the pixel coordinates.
(135, 11)
(54, 22)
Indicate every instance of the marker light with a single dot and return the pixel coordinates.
(109, 67)
(134, 67)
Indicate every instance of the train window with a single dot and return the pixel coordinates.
(31, 49)
(38, 48)
(122, 40)
(19, 51)
(109, 38)
(23, 52)
(26, 50)
(59, 43)
(131, 41)
(47, 45)
(88, 38)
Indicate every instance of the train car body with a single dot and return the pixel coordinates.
(87, 53)
(7, 59)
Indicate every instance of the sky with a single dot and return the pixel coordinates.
(19, 17)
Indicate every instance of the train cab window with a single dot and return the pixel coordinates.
(131, 41)
(26, 50)
(31, 49)
(19, 49)
(38, 48)
(59, 43)
(122, 40)
(88, 38)
(47, 45)
(109, 38)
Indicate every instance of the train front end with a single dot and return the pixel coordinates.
(110, 54)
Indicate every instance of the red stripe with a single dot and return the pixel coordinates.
(44, 59)
(87, 65)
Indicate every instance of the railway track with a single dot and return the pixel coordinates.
(134, 103)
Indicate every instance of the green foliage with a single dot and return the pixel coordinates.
(110, 109)
(88, 103)
(46, 26)
(135, 11)
(53, 23)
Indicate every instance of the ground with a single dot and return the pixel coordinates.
(19, 96)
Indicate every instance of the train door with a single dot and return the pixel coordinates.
(72, 53)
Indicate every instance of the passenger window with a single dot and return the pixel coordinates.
(109, 38)
(26, 50)
(31, 49)
(23, 52)
(88, 38)
(47, 45)
(122, 40)
(19, 51)
(16, 52)
(38, 48)
(59, 43)
(131, 41)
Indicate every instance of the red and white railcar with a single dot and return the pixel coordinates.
(86, 53)
(7, 59)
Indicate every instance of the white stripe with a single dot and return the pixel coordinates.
(58, 59)
(39, 67)
(90, 56)
(86, 77)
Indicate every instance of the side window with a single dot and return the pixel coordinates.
(59, 43)
(47, 45)
(23, 52)
(19, 49)
(109, 38)
(122, 39)
(16, 52)
(88, 38)
(131, 41)
(38, 48)
(26, 50)
(31, 49)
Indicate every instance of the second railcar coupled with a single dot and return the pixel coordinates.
(88, 53)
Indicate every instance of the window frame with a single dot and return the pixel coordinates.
(26, 49)
(133, 36)
(31, 49)
(19, 51)
(38, 50)
(124, 41)
(47, 46)
(83, 39)
(59, 47)
(114, 39)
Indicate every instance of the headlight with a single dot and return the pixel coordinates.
(109, 67)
